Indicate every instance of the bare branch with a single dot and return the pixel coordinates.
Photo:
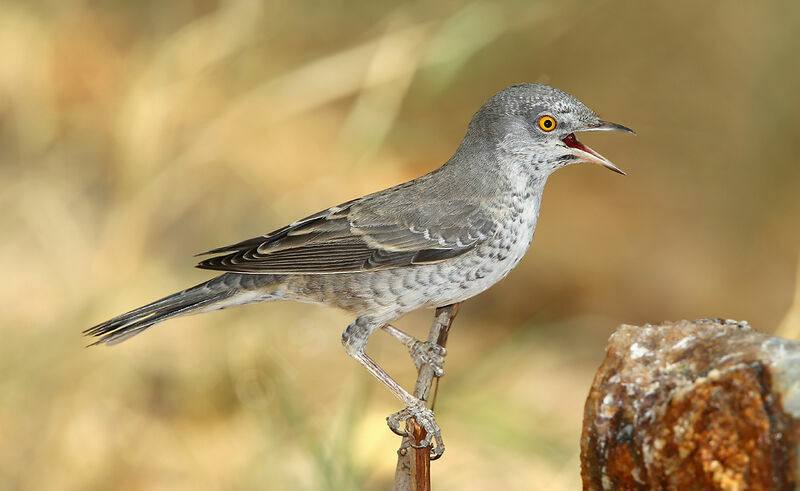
(413, 471)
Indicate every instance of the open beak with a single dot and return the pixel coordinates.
(586, 154)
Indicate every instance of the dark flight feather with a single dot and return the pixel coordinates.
(359, 236)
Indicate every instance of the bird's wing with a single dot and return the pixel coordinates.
(360, 235)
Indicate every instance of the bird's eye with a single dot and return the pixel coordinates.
(547, 123)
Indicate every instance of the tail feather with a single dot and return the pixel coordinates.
(195, 299)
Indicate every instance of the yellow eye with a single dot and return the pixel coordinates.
(547, 123)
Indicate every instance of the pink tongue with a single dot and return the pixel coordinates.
(573, 142)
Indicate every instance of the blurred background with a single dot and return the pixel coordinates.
(135, 134)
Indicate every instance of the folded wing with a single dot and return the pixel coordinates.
(360, 235)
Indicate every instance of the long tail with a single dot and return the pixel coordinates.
(211, 295)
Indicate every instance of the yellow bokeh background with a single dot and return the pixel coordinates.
(135, 134)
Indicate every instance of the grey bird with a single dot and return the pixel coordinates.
(433, 241)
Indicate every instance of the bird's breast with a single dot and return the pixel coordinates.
(514, 233)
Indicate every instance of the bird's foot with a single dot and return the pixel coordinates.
(424, 418)
(422, 352)
(427, 353)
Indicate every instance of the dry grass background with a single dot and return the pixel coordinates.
(134, 134)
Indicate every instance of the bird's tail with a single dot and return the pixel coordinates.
(214, 294)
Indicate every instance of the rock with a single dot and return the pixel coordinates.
(708, 404)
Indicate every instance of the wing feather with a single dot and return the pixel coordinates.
(360, 236)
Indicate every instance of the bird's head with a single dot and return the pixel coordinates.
(538, 124)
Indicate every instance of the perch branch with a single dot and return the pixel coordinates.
(414, 465)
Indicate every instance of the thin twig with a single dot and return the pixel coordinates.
(413, 471)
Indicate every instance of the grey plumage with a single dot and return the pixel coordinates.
(433, 241)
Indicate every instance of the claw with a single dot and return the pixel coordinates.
(394, 425)
(424, 417)
(426, 353)
(423, 444)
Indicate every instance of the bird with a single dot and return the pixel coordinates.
(436, 240)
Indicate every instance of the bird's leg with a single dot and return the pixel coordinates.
(422, 352)
(354, 340)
